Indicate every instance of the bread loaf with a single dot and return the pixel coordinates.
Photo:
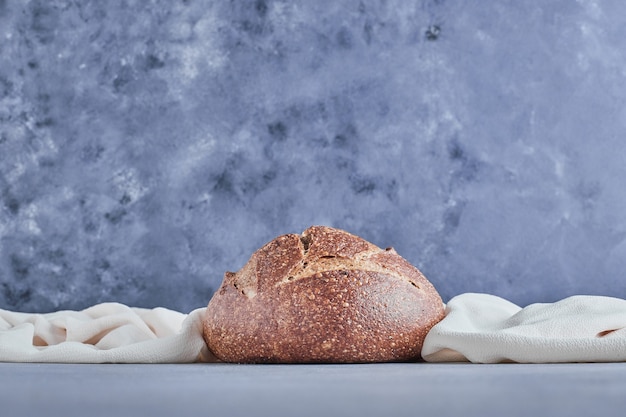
(324, 296)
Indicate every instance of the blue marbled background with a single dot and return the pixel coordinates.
(148, 146)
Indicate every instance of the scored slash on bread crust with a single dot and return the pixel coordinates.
(324, 296)
(364, 257)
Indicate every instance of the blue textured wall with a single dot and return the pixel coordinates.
(148, 146)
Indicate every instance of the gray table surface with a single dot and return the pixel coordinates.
(408, 389)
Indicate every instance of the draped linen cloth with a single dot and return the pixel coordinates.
(104, 333)
(484, 328)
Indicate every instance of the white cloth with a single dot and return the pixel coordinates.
(104, 333)
(485, 328)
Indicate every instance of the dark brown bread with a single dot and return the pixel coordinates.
(324, 296)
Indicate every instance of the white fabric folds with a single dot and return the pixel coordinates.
(485, 328)
(104, 333)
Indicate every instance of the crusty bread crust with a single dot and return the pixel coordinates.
(325, 296)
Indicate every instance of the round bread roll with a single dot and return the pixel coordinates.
(326, 296)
